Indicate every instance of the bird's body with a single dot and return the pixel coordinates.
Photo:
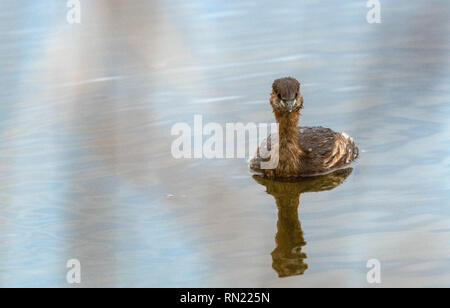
(321, 151)
(300, 151)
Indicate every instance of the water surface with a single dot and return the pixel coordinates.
(87, 172)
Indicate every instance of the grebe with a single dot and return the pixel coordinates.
(302, 151)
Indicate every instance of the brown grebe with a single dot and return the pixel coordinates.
(302, 151)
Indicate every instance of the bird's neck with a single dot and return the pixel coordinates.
(287, 127)
(290, 153)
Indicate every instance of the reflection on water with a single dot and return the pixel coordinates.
(288, 258)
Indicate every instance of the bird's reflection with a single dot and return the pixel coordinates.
(288, 258)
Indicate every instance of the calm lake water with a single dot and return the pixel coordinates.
(85, 144)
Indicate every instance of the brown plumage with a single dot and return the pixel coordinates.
(301, 151)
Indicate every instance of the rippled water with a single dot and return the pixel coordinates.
(87, 172)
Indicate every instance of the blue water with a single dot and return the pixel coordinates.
(85, 144)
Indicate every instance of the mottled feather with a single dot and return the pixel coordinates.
(323, 151)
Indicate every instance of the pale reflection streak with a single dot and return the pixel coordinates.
(110, 122)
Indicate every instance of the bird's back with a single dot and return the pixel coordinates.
(324, 150)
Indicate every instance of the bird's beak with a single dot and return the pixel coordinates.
(290, 105)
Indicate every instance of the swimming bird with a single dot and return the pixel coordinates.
(299, 151)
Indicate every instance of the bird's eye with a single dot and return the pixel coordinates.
(282, 103)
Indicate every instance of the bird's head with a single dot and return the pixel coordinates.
(286, 97)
